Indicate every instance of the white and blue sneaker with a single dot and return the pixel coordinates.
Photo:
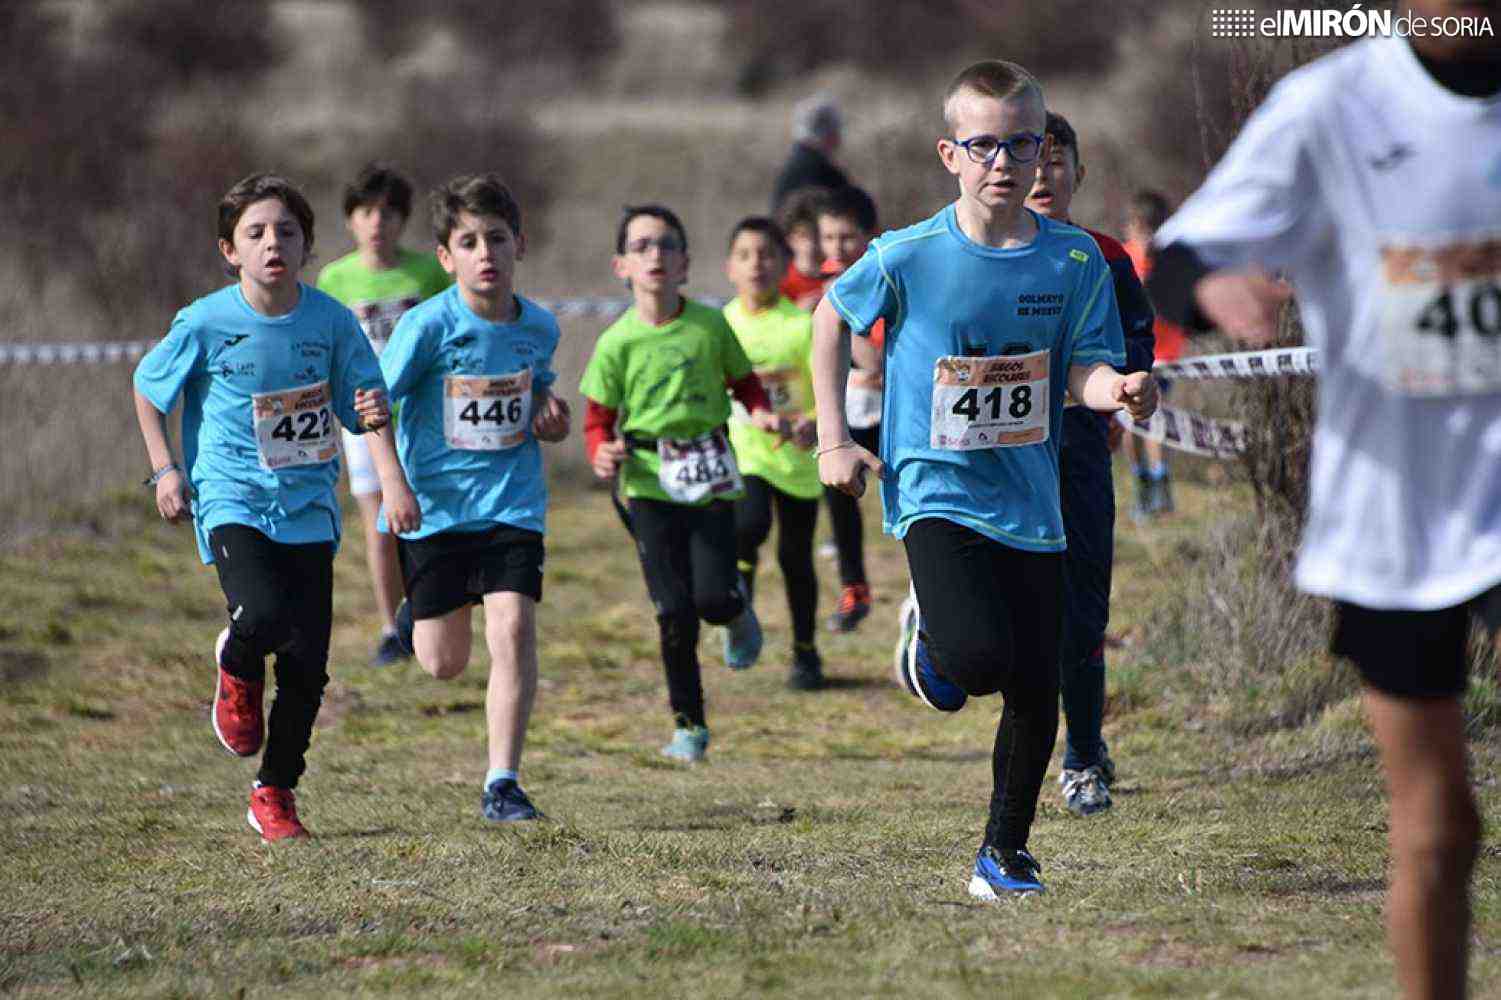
(914, 667)
(1001, 873)
(689, 744)
(742, 637)
(505, 802)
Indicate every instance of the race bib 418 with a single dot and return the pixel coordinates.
(993, 402)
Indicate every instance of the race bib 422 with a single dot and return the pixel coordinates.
(294, 426)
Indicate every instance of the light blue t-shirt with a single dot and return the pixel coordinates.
(222, 356)
(456, 376)
(941, 294)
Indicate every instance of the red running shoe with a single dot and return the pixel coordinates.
(237, 708)
(273, 814)
(854, 605)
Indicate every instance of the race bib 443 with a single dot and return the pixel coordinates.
(487, 412)
(992, 402)
(1440, 318)
(294, 426)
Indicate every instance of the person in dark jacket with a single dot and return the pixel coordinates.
(817, 129)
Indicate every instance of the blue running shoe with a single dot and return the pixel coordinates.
(914, 667)
(742, 637)
(1000, 873)
(689, 744)
(505, 802)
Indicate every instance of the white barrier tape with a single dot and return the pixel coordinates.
(1190, 432)
(113, 352)
(1247, 364)
(99, 353)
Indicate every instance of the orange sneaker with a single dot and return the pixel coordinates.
(273, 814)
(854, 605)
(237, 708)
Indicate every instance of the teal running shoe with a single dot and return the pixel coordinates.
(689, 744)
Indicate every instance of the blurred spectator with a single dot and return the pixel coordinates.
(817, 129)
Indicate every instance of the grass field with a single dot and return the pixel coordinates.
(821, 851)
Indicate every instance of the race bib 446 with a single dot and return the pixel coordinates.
(487, 412)
(294, 426)
(992, 402)
(1440, 318)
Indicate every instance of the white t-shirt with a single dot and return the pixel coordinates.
(1378, 193)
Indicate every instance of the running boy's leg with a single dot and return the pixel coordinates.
(1434, 836)
(380, 558)
(661, 542)
(714, 579)
(307, 575)
(990, 618)
(797, 520)
(511, 635)
(442, 644)
(752, 525)
(1088, 501)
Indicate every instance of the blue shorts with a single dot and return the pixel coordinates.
(1088, 499)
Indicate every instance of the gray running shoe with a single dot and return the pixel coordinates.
(1085, 792)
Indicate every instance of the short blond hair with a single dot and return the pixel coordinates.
(991, 78)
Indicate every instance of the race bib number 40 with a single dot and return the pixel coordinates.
(994, 402)
(294, 427)
(1440, 319)
(487, 412)
(698, 467)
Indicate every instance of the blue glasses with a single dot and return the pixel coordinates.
(1022, 147)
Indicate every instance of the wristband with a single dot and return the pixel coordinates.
(161, 474)
(842, 444)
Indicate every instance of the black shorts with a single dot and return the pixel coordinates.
(1413, 654)
(446, 571)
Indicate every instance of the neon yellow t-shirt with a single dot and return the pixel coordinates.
(665, 381)
(378, 298)
(779, 343)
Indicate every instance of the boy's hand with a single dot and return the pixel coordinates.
(771, 423)
(1137, 393)
(1245, 304)
(552, 419)
(403, 513)
(805, 432)
(607, 458)
(172, 498)
(845, 467)
(373, 410)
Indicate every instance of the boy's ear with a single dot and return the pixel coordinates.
(231, 257)
(684, 279)
(444, 257)
(520, 245)
(617, 264)
(946, 153)
(1078, 177)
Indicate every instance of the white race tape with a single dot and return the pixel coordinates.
(1190, 432)
(1247, 364)
(113, 352)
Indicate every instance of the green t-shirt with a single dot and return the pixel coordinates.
(378, 298)
(779, 343)
(665, 381)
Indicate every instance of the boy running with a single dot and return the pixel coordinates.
(379, 281)
(1088, 500)
(1154, 490)
(846, 225)
(472, 371)
(657, 408)
(992, 312)
(264, 367)
(777, 337)
(1372, 179)
(798, 216)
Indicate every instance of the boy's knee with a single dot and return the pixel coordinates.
(444, 664)
(721, 608)
(751, 532)
(1444, 830)
(677, 629)
(976, 670)
(262, 630)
